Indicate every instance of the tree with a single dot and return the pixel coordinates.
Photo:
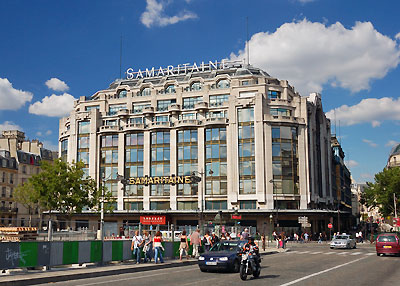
(380, 193)
(64, 188)
(26, 195)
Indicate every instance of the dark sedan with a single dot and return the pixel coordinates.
(222, 256)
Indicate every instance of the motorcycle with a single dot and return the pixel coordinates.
(249, 266)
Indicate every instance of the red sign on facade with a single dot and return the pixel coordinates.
(153, 219)
(330, 225)
(396, 221)
(236, 217)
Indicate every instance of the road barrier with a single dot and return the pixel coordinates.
(38, 253)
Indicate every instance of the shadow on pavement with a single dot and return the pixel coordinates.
(271, 276)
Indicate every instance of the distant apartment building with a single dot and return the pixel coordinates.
(394, 157)
(23, 159)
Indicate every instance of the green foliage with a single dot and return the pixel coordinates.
(380, 193)
(64, 188)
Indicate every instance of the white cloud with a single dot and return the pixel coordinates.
(370, 143)
(367, 176)
(369, 110)
(391, 143)
(8, 125)
(154, 15)
(310, 55)
(49, 132)
(397, 37)
(57, 85)
(39, 134)
(351, 163)
(306, 1)
(49, 145)
(53, 106)
(11, 98)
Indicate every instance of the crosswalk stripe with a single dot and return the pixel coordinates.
(356, 253)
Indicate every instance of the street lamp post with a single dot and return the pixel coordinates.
(196, 179)
(274, 194)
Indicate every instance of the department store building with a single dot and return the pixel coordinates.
(262, 151)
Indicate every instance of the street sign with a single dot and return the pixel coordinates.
(302, 219)
(306, 224)
(330, 225)
(236, 216)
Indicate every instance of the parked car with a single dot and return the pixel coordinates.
(387, 243)
(222, 256)
(343, 241)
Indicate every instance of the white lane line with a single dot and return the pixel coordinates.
(304, 252)
(133, 277)
(356, 253)
(371, 253)
(342, 253)
(328, 253)
(321, 272)
(318, 252)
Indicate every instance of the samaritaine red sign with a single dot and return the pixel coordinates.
(153, 219)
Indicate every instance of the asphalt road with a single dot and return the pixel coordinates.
(309, 264)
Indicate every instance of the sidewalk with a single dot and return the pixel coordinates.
(31, 277)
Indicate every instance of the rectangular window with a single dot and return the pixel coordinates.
(162, 105)
(218, 100)
(138, 108)
(280, 111)
(133, 206)
(216, 205)
(109, 141)
(113, 109)
(84, 127)
(88, 108)
(273, 94)
(189, 102)
(159, 206)
(216, 161)
(160, 160)
(83, 142)
(187, 205)
(248, 205)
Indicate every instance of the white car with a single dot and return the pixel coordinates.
(343, 241)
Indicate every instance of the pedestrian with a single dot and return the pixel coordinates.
(158, 248)
(207, 241)
(361, 237)
(223, 237)
(306, 237)
(147, 246)
(196, 242)
(214, 238)
(357, 237)
(245, 234)
(320, 238)
(183, 246)
(228, 236)
(137, 244)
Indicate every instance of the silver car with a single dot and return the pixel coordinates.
(343, 241)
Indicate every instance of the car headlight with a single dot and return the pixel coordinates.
(201, 258)
(223, 259)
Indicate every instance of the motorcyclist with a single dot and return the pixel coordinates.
(252, 248)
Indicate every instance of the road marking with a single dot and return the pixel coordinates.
(328, 253)
(342, 253)
(304, 252)
(321, 272)
(371, 253)
(134, 277)
(356, 253)
(318, 252)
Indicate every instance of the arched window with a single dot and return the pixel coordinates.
(145, 91)
(170, 89)
(196, 86)
(223, 83)
(122, 93)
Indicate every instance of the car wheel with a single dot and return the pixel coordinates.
(355, 246)
(378, 254)
(236, 267)
(202, 269)
(331, 247)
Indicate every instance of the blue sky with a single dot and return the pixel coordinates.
(54, 51)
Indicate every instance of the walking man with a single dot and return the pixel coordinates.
(196, 242)
(137, 244)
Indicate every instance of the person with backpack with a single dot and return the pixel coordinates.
(207, 241)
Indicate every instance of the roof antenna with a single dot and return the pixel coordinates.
(248, 43)
(120, 58)
(334, 113)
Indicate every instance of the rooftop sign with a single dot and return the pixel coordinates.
(180, 69)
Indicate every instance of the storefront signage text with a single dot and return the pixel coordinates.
(167, 180)
(153, 219)
(180, 69)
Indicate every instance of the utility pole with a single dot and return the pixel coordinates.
(395, 209)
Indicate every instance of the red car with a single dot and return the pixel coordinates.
(387, 243)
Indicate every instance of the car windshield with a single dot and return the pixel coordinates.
(387, 238)
(341, 237)
(226, 246)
